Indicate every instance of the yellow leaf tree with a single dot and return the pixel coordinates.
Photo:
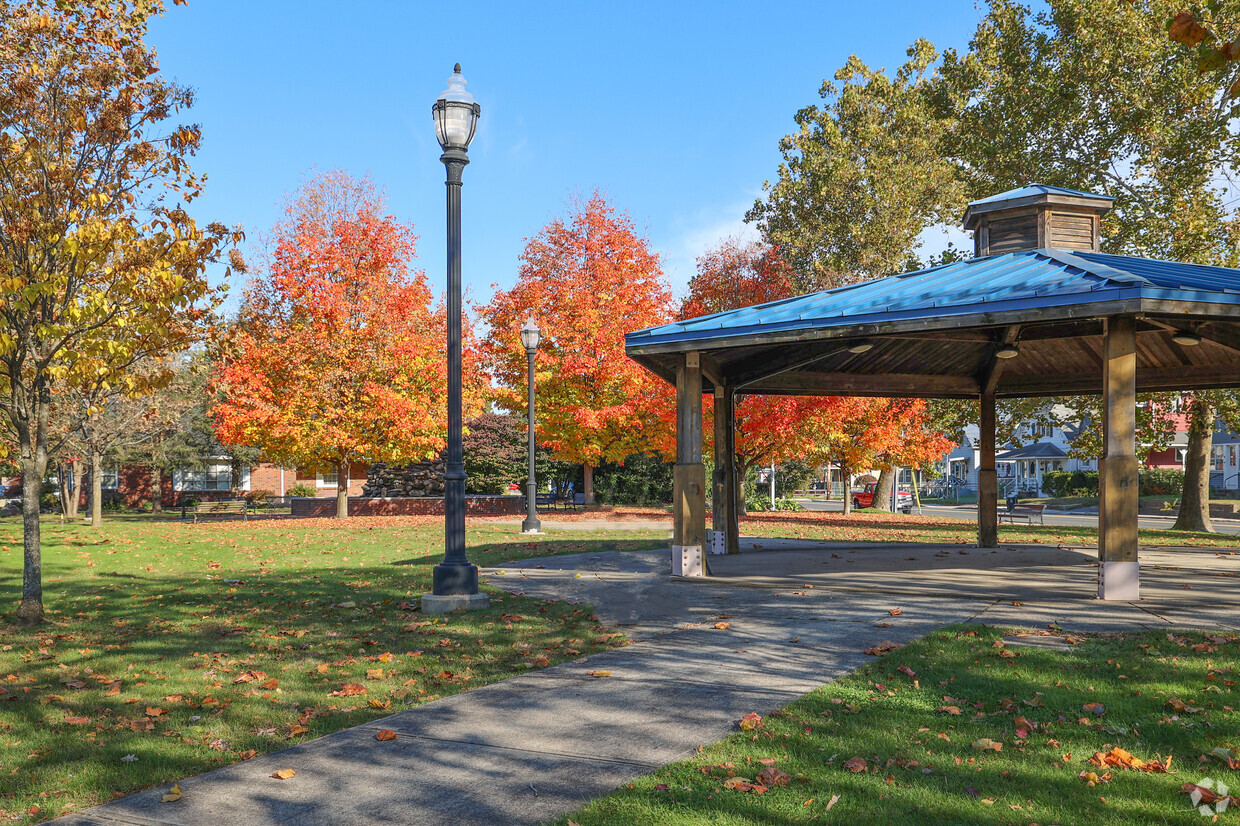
(101, 267)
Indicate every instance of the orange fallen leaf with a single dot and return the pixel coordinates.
(283, 774)
(349, 690)
(856, 764)
(986, 744)
(722, 626)
(750, 722)
(374, 673)
(952, 710)
(386, 734)
(895, 612)
(599, 673)
(250, 676)
(297, 731)
(154, 711)
(385, 657)
(270, 684)
(77, 721)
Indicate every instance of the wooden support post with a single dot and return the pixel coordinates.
(1118, 569)
(987, 480)
(724, 533)
(689, 474)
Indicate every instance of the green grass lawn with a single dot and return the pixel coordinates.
(886, 527)
(975, 731)
(192, 646)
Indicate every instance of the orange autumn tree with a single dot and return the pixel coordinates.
(338, 354)
(768, 428)
(884, 434)
(586, 279)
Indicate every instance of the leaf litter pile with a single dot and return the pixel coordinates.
(966, 725)
(173, 648)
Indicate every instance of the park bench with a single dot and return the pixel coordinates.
(1025, 513)
(578, 503)
(545, 500)
(221, 507)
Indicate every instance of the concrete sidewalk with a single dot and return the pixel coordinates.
(536, 746)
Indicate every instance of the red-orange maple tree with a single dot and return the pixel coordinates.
(586, 280)
(768, 428)
(338, 354)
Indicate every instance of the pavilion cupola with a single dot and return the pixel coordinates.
(1036, 217)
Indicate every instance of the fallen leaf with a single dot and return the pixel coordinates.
(283, 774)
(599, 673)
(173, 795)
(386, 734)
(834, 799)
(349, 690)
(986, 744)
(374, 673)
(904, 669)
(952, 710)
(895, 612)
(750, 722)
(77, 721)
(153, 711)
(856, 764)
(270, 684)
(1094, 708)
(882, 648)
(130, 758)
(771, 776)
(722, 626)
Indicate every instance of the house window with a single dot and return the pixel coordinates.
(328, 479)
(110, 478)
(214, 476)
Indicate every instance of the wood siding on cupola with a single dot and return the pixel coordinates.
(1037, 217)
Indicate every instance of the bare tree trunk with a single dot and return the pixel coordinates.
(882, 491)
(96, 489)
(78, 469)
(742, 503)
(64, 488)
(234, 466)
(588, 473)
(157, 489)
(342, 489)
(1195, 498)
(847, 488)
(34, 465)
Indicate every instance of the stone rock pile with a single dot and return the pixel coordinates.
(418, 479)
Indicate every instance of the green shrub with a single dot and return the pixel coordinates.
(642, 480)
(1161, 482)
(786, 504)
(1070, 482)
(302, 489)
(757, 504)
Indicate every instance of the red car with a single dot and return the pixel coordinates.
(865, 498)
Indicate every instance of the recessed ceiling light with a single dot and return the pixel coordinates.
(1007, 351)
(1186, 338)
(861, 347)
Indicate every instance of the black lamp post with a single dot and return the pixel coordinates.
(456, 118)
(529, 337)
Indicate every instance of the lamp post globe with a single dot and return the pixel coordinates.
(530, 335)
(456, 118)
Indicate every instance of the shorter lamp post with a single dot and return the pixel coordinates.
(529, 337)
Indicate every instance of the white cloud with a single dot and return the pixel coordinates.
(692, 235)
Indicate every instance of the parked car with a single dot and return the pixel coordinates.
(865, 498)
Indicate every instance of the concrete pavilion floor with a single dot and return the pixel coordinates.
(533, 747)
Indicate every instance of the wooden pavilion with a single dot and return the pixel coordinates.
(1039, 311)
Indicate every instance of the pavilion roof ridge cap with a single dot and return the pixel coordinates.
(1095, 268)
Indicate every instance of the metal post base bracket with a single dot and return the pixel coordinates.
(687, 560)
(446, 604)
(1119, 580)
(717, 542)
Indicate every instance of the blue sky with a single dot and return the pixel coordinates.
(673, 109)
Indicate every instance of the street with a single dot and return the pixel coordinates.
(969, 514)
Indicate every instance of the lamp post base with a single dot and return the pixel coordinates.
(447, 603)
(454, 579)
(531, 526)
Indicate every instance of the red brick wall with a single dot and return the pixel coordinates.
(411, 506)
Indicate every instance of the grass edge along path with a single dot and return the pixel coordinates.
(963, 726)
(173, 648)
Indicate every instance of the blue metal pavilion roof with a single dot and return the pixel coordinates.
(1019, 281)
